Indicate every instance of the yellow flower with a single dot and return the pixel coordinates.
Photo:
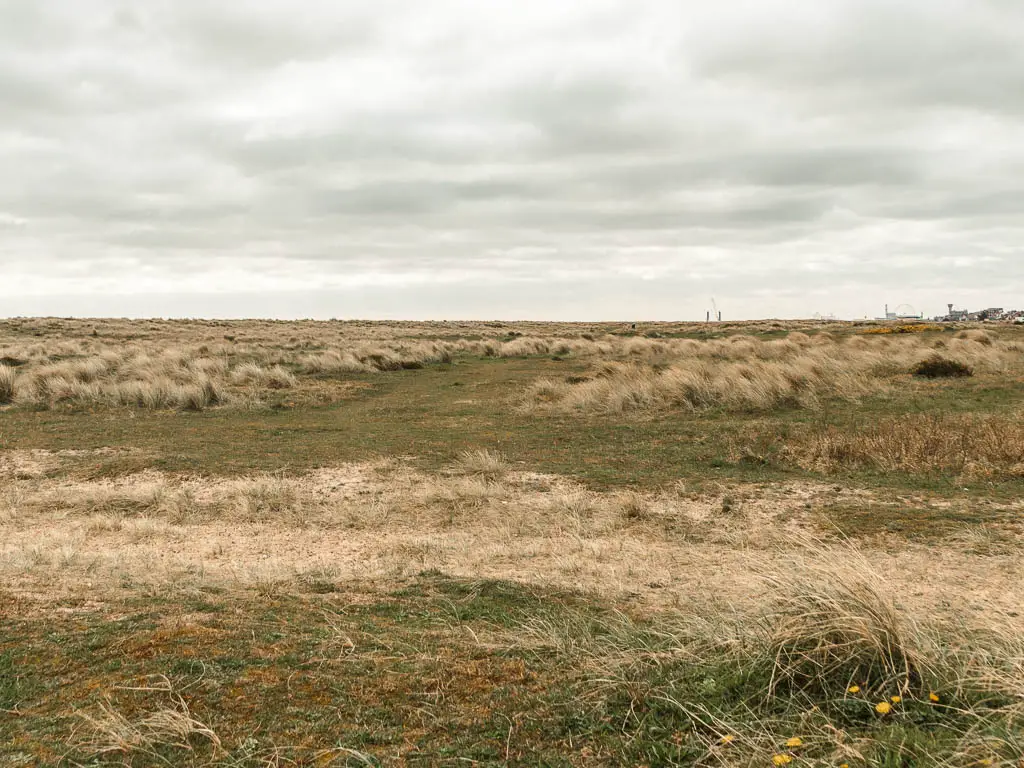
(796, 741)
(854, 689)
(896, 699)
(844, 765)
(883, 708)
(728, 738)
(781, 759)
(933, 697)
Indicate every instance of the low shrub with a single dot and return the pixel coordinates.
(938, 367)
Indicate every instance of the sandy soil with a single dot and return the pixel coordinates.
(383, 522)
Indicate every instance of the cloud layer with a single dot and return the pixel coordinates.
(455, 158)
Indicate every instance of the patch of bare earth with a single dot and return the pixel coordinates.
(384, 522)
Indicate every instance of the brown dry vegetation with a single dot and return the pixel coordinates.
(973, 447)
(746, 374)
(810, 548)
(106, 371)
(751, 580)
(741, 372)
(481, 517)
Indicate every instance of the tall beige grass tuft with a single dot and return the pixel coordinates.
(255, 375)
(976, 445)
(833, 623)
(7, 376)
(744, 374)
(109, 731)
(266, 499)
(483, 463)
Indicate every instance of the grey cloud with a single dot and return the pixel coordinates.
(912, 55)
(769, 149)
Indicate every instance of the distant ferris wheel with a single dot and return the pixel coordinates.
(905, 310)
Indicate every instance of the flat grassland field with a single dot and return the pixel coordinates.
(262, 543)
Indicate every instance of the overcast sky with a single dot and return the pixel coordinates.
(588, 160)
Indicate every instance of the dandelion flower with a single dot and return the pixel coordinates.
(933, 698)
(796, 741)
(883, 708)
(854, 689)
(782, 759)
(896, 699)
(727, 739)
(844, 765)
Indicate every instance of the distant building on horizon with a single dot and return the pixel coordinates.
(902, 312)
(992, 314)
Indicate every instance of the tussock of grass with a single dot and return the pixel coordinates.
(254, 375)
(982, 446)
(139, 382)
(171, 726)
(832, 669)
(739, 372)
(265, 499)
(483, 463)
(7, 374)
(978, 336)
(332, 362)
(833, 624)
(697, 386)
(744, 374)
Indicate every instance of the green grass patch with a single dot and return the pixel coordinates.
(435, 413)
(447, 669)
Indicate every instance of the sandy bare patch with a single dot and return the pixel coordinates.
(37, 463)
(384, 521)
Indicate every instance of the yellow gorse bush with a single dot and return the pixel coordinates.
(890, 329)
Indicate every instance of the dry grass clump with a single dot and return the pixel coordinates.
(332, 362)
(111, 363)
(173, 725)
(171, 381)
(483, 463)
(376, 358)
(634, 507)
(252, 374)
(743, 386)
(744, 374)
(832, 624)
(264, 499)
(152, 496)
(827, 668)
(159, 393)
(984, 446)
(833, 628)
(7, 375)
(977, 335)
